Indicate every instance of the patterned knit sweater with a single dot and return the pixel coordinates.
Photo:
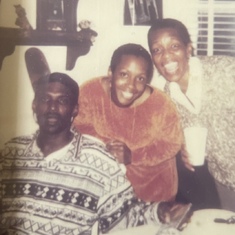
(79, 189)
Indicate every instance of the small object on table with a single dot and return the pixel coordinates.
(230, 220)
(211, 221)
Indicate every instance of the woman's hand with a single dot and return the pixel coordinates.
(185, 158)
(120, 151)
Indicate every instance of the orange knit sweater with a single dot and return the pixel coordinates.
(151, 130)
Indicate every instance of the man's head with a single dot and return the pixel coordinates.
(55, 103)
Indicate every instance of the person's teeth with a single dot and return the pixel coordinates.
(171, 67)
(127, 95)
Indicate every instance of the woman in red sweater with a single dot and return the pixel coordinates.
(139, 123)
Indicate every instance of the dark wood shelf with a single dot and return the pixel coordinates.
(78, 43)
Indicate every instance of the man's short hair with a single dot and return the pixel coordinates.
(63, 79)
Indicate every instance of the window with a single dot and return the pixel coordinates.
(216, 27)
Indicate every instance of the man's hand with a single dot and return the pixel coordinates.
(175, 214)
(119, 150)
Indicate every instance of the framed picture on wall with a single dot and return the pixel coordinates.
(142, 12)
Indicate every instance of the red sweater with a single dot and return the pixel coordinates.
(151, 130)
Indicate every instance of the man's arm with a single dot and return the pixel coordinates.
(121, 209)
(124, 210)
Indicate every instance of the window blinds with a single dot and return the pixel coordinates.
(216, 28)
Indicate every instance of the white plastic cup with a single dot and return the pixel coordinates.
(195, 140)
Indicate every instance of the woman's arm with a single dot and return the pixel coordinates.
(167, 142)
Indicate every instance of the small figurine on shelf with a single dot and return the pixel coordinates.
(86, 31)
(22, 20)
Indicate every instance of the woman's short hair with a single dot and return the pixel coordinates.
(135, 50)
(168, 23)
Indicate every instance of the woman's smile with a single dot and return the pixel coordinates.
(171, 67)
(127, 95)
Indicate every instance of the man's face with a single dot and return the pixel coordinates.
(54, 108)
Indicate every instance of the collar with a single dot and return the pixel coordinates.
(192, 99)
(34, 151)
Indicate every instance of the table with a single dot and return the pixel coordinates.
(141, 230)
(201, 223)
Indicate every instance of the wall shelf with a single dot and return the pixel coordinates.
(78, 43)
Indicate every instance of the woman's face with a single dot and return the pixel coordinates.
(170, 55)
(128, 81)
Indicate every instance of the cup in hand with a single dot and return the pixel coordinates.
(195, 140)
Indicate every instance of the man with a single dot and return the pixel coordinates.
(58, 181)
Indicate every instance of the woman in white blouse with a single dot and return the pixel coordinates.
(203, 91)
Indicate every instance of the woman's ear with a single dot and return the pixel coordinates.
(110, 74)
(189, 50)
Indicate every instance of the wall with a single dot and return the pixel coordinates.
(16, 94)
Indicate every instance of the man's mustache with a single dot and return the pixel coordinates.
(52, 115)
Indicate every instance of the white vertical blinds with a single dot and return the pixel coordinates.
(216, 28)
